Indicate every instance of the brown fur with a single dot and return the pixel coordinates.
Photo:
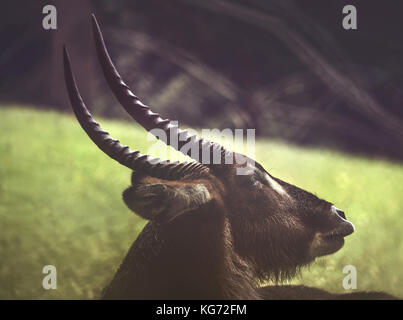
(212, 232)
(219, 250)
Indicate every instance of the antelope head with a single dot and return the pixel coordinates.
(275, 226)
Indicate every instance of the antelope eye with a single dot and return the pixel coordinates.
(254, 182)
(250, 180)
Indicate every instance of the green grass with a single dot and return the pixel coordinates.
(60, 204)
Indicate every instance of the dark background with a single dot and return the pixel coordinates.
(286, 68)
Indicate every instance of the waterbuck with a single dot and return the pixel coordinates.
(213, 233)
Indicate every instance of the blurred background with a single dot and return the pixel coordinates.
(325, 103)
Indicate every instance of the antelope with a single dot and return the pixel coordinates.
(211, 233)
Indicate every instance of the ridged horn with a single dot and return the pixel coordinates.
(213, 152)
(129, 158)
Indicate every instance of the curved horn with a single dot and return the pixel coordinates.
(131, 159)
(215, 153)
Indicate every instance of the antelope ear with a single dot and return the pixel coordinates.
(164, 202)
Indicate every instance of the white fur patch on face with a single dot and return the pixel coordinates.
(276, 186)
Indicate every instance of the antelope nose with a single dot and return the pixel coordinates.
(341, 214)
(343, 227)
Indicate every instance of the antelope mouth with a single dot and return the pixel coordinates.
(344, 230)
(330, 242)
